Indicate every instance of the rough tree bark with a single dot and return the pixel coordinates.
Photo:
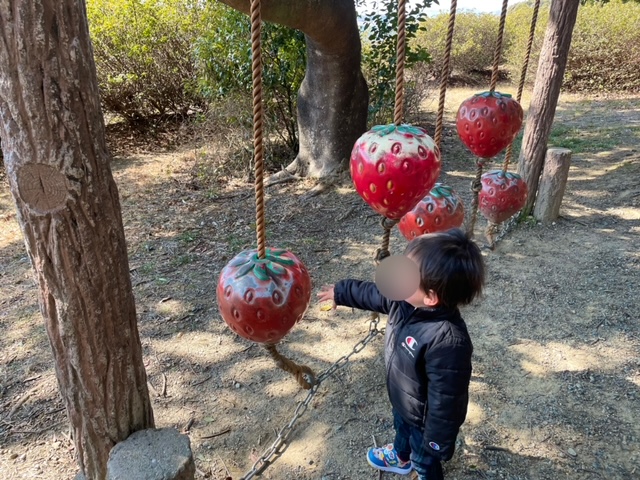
(59, 174)
(546, 90)
(333, 98)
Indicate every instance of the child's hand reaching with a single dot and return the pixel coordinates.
(326, 294)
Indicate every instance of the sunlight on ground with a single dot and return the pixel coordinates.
(300, 457)
(283, 388)
(198, 347)
(475, 414)
(539, 359)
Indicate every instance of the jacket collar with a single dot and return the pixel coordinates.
(435, 314)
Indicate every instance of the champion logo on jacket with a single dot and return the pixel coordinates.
(410, 345)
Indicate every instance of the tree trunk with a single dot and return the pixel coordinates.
(69, 212)
(333, 97)
(546, 90)
(552, 184)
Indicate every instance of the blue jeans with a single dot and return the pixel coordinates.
(409, 444)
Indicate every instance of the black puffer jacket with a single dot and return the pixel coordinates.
(428, 359)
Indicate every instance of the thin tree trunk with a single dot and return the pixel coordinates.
(68, 208)
(546, 90)
(333, 97)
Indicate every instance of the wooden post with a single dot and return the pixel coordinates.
(552, 184)
(551, 67)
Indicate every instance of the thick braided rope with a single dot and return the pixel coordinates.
(383, 251)
(498, 51)
(444, 76)
(258, 146)
(398, 114)
(523, 74)
(400, 58)
(476, 186)
(304, 375)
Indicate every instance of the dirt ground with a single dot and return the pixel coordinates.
(555, 392)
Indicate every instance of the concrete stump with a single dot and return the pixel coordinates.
(153, 454)
(552, 184)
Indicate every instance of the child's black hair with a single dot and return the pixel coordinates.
(451, 265)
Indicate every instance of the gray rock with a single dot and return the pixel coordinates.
(153, 454)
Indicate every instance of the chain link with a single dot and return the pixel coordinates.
(507, 226)
(279, 445)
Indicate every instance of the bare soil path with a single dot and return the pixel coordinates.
(556, 384)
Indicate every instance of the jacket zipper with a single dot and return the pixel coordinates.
(392, 340)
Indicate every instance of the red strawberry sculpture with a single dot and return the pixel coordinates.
(262, 299)
(488, 122)
(393, 167)
(502, 195)
(440, 210)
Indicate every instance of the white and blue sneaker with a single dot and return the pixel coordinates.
(386, 459)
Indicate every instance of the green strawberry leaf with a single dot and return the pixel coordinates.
(236, 262)
(275, 268)
(244, 270)
(260, 272)
(383, 130)
(418, 132)
(280, 260)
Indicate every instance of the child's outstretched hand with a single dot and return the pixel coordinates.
(326, 294)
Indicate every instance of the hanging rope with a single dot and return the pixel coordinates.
(444, 75)
(400, 58)
(398, 114)
(258, 146)
(523, 74)
(476, 185)
(304, 375)
(498, 51)
(383, 251)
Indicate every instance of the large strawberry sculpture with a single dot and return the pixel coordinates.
(440, 210)
(502, 195)
(393, 167)
(262, 299)
(488, 122)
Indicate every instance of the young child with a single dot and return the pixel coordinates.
(427, 351)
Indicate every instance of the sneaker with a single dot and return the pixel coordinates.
(386, 459)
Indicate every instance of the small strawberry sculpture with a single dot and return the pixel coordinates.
(440, 210)
(502, 195)
(393, 167)
(488, 122)
(262, 299)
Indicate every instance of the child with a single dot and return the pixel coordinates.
(427, 351)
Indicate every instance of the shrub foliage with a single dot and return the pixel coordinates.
(604, 55)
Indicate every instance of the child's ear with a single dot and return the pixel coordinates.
(431, 299)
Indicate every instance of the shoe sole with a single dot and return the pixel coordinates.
(399, 471)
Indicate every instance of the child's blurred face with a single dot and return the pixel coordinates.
(397, 277)
(417, 298)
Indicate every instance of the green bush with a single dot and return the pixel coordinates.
(474, 40)
(605, 50)
(517, 29)
(143, 54)
(379, 51)
(224, 53)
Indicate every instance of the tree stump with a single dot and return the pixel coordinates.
(153, 454)
(552, 184)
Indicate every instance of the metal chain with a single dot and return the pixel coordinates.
(279, 445)
(507, 226)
